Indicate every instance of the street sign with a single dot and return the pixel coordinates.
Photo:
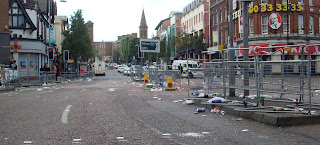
(147, 45)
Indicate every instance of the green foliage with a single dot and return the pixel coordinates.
(117, 54)
(77, 39)
(192, 42)
(129, 48)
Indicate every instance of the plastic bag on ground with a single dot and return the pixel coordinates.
(217, 100)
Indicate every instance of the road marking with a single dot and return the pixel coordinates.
(83, 90)
(112, 90)
(65, 113)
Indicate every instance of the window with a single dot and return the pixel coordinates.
(264, 24)
(196, 19)
(311, 28)
(300, 24)
(16, 18)
(285, 1)
(213, 22)
(251, 30)
(221, 17)
(300, 1)
(264, 1)
(310, 3)
(225, 15)
(319, 25)
(285, 24)
(251, 4)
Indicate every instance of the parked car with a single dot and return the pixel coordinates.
(127, 71)
(121, 68)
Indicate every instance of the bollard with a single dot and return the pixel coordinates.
(170, 86)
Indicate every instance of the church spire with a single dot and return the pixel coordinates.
(143, 22)
(143, 27)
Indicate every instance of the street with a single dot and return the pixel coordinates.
(113, 110)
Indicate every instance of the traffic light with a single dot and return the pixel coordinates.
(51, 56)
(66, 55)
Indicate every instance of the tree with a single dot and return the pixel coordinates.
(129, 48)
(77, 39)
(117, 54)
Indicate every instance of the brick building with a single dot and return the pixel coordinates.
(4, 33)
(104, 50)
(90, 31)
(268, 25)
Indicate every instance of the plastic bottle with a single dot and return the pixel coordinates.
(279, 109)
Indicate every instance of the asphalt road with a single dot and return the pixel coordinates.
(112, 110)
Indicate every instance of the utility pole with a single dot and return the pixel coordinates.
(231, 52)
(245, 45)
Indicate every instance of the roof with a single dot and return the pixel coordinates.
(42, 5)
(161, 23)
(89, 22)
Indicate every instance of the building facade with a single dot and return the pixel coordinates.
(104, 50)
(4, 33)
(195, 21)
(60, 25)
(29, 38)
(270, 23)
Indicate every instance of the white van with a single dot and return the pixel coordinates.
(183, 63)
(99, 68)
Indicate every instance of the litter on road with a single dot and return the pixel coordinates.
(189, 102)
(77, 140)
(166, 135)
(120, 138)
(245, 130)
(205, 132)
(27, 142)
(239, 119)
(191, 134)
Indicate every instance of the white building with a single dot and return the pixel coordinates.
(60, 25)
(29, 27)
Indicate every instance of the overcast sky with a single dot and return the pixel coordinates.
(113, 18)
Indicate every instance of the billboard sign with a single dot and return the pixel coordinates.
(147, 45)
(52, 34)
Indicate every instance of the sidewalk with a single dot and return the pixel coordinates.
(275, 119)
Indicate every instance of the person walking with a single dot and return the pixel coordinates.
(55, 71)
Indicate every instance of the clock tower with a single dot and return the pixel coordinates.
(143, 27)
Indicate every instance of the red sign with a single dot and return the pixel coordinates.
(313, 50)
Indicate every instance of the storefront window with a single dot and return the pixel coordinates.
(264, 1)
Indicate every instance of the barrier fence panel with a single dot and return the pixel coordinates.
(242, 68)
(213, 77)
(136, 73)
(174, 74)
(160, 77)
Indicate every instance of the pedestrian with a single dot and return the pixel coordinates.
(181, 68)
(13, 63)
(55, 71)
(46, 68)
